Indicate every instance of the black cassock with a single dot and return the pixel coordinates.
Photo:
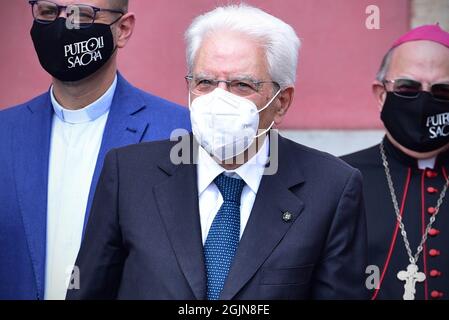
(417, 192)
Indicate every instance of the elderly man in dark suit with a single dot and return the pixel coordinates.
(233, 211)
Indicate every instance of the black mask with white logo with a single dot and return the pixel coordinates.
(72, 54)
(420, 124)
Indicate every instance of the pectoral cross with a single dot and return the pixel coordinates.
(411, 276)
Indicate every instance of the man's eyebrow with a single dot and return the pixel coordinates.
(202, 75)
(444, 81)
(244, 77)
(405, 76)
(408, 77)
(237, 77)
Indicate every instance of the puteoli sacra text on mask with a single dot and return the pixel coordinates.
(420, 124)
(72, 54)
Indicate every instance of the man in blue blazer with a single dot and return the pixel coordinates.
(233, 211)
(52, 148)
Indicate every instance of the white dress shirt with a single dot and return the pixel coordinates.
(210, 198)
(427, 163)
(75, 143)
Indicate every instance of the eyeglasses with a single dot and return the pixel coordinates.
(408, 88)
(82, 15)
(240, 87)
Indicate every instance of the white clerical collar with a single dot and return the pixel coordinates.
(427, 163)
(89, 113)
(251, 172)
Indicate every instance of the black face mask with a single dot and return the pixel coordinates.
(72, 54)
(420, 124)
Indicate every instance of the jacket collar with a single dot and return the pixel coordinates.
(401, 158)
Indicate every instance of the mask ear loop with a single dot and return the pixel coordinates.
(190, 97)
(259, 111)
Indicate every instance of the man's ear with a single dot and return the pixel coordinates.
(379, 93)
(125, 29)
(285, 99)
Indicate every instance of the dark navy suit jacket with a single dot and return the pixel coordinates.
(143, 240)
(25, 130)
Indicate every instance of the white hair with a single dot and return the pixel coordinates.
(384, 66)
(279, 40)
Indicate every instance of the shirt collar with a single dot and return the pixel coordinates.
(89, 113)
(404, 159)
(251, 172)
(427, 163)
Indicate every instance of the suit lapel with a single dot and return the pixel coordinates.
(177, 200)
(265, 229)
(124, 126)
(266, 226)
(31, 151)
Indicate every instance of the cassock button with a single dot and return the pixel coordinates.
(435, 273)
(287, 216)
(436, 294)
(432, 190)
(431, 210)
(434, 232)
(434, 253)
(431, 174)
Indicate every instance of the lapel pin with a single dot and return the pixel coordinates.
(287, 216)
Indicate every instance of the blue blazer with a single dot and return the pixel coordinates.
(143, 240)
(25, 130)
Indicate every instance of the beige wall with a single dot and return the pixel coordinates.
(430, 12)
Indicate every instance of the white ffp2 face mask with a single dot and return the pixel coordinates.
(224, 124)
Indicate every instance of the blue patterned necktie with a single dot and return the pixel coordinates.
(224, 235)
